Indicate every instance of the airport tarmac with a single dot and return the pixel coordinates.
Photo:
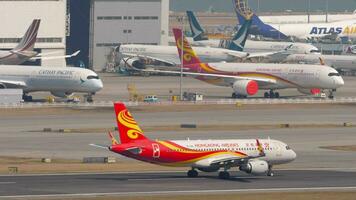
(170, 183)
(115, 88)
(21, 130)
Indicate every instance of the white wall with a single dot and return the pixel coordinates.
(16, 16)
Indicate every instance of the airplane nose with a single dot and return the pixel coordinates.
(99, 85)
(340, 82)
(292, 155)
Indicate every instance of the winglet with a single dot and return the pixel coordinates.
(260, 148)
(113, 140)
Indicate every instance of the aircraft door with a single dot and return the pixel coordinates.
(155, 150)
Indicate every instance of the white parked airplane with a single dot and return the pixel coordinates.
(253, 156)
(24, 50)
(135, 55)
(242, 43)
(339, 62)
(247, 78)
(59, 81)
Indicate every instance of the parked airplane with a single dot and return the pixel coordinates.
(247, 78)
(60, 81)
(339, 62)
(239, 42)
(344, 28)
(251, 156)
(136, 56)
(24, 50)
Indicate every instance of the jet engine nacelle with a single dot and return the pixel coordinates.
(245, 87)
(62, 94)
(256, 167)
(133, 63)
(313, 91)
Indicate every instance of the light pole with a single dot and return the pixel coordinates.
(181, 19)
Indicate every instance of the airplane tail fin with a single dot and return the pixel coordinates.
(29, 39)
(129, 131)
(189, 55)
(238, 41)
(197, 31)
(190, 59)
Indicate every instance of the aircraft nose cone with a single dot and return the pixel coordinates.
(292, 155)
(99, 85)
(340, 82)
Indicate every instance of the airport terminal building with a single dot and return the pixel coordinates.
(93, 26)
(17, 16)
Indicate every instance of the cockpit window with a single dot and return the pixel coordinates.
(333, 74)
(92, 77)
(287, 147)
(315, 51)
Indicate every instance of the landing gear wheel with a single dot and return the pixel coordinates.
(234, 95)
(276, 95)
(331, 93)
(27, 98)
(270, 172)
(272, 94)
(266, 95)
(192, 173)
(224, 175)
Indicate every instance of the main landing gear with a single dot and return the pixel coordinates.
(224, 175)
(192, 173)
(271, 94)
(26, 97)
(331, 93)
(238, 96)
(270, 171)
(89, 97)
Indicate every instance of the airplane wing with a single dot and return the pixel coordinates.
(272, 53)
(13, 84)
(228, 78)
(28, 54)
(54, 57)
(238, 54)
(169, 62)
(229, 158)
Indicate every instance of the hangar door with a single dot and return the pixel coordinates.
(117, 22)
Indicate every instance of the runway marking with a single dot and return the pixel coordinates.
(176, 171)
(183, 192)
(3, 183)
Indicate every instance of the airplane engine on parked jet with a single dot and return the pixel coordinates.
(256, 167)
(313, 91)
(62, 94)
(245, 87)
(132, 63)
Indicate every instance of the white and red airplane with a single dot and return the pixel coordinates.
(253, 156)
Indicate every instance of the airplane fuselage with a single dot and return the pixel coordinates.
(285, 75)
(52, 79)
(196, 153)
(169, 53)
(340, 62)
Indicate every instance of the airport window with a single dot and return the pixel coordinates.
(39, 40)
(146, 18)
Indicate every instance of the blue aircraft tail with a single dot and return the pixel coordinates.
(198, 32)
(258, 27)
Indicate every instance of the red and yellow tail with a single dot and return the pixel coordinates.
(189, 56)
(129, 130)
(190, 59)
